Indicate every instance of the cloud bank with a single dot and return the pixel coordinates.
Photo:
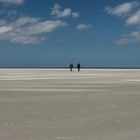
(28, 30)
(131, 13)
(33, 30)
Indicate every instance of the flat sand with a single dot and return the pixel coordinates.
(56, 104)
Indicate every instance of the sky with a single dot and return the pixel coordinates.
(55, 33)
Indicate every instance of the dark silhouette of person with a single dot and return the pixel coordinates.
(71, 67)
(78, 66)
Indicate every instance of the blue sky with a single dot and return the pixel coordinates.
(54, 33)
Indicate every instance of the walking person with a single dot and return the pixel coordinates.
(78, 66)
(71, 67)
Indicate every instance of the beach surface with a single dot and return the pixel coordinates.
(56, 104)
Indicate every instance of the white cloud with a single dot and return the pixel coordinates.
(24, 21)
(25, 39)
(122, 9)
(58, 13)
(134, 19)
(5, 29)
(82, 27)
(45, 27)
(13, 2)
(129, 38)
(28, 30)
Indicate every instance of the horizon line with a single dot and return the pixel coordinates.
(68, 67)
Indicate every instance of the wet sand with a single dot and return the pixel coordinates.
(56, 104)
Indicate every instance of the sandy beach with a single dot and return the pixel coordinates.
(52, 104)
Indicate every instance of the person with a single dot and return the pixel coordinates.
(78, 66)
(71, 67)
